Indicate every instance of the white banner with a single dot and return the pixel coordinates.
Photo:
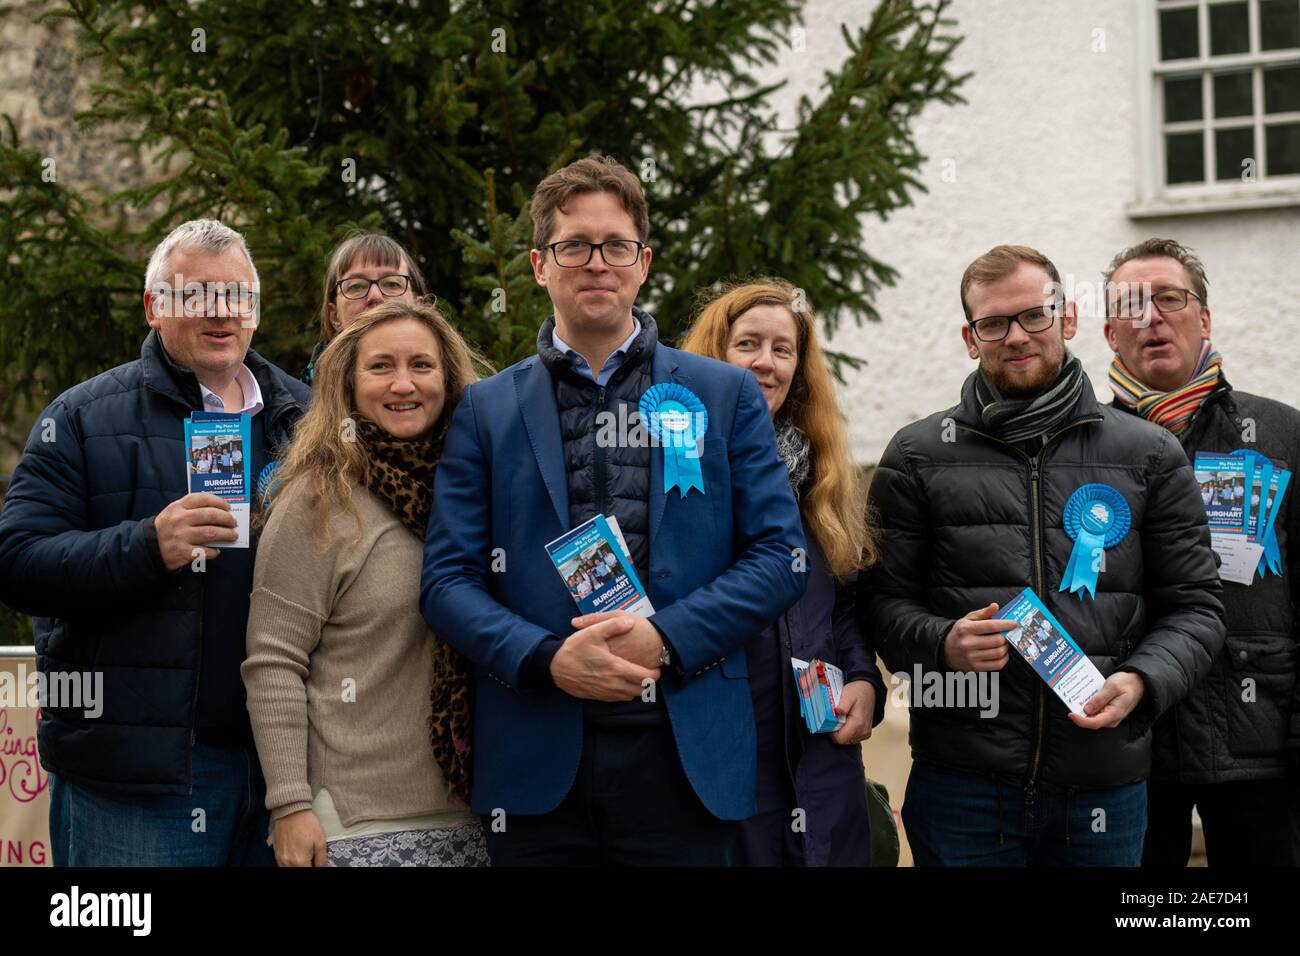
(24, 787)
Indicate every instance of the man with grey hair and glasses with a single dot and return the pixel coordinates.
(101, 542)
(1231, 749)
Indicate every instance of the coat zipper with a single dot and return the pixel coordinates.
(1035, 474)
(198, 676)
(599, 455)
(198, 667)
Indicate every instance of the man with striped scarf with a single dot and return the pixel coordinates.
(1231, 748)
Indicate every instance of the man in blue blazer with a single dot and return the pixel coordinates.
(612, 738)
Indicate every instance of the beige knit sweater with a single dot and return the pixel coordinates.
(338, 669)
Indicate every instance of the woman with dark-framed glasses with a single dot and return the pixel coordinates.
(364, 270)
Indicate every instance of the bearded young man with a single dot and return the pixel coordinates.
(1232, 748)
(972, 504)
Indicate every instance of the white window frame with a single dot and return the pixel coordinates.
(1155, 198)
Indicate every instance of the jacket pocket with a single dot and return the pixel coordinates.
(735, 665)
(1258, 689)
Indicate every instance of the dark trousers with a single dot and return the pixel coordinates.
(1245, 822)
(631, 805)
(769, 839)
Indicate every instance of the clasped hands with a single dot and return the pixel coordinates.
(613, 655)
(610, 656)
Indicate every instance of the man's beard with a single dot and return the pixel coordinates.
(1018, 387)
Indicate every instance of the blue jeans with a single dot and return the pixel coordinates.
(965, 819)
(222, 822)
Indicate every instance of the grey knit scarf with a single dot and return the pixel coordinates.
(1019, 419)
(795, 449)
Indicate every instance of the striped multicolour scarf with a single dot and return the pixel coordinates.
(1173, 409)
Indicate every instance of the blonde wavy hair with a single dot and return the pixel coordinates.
(324, 456)
(835, 505)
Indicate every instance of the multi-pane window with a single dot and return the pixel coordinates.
(1227, 98)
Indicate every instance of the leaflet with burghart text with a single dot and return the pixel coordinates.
(1222, 480)
(1245, 542)
(216, 462)
(1044, 643)
(594, 564)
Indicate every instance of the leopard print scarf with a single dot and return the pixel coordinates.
(400, 473)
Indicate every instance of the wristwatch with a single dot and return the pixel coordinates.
(665, 658)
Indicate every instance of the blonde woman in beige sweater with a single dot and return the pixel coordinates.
(341, 666)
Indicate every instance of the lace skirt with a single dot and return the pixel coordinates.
(461, 845)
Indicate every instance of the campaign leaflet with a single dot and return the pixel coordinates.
(216, 463)
(1277, 491)
(1273, 477)
(1051, 652)
(594, 563)
(1238, 557)
(818, 685)
(1272, 561)
(1222, 480)
(1250, 547)
(1260, 473)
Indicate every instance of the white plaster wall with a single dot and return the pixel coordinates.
(1045, 154)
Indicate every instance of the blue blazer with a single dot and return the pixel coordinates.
(721, 568)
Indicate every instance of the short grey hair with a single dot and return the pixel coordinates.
(206, 235)
(1155, 248)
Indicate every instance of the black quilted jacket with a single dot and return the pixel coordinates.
(604, 476)
(967, 520)
(1242, 722)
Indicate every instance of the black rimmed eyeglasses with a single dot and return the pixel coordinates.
(995, 328)
(1133, 304)
(199, 300)
(358, 287)
(575, 253)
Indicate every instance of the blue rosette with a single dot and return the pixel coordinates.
(677, 421)
(1097, 517)
(267, 482)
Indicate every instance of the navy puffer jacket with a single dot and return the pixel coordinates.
(78, 551)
